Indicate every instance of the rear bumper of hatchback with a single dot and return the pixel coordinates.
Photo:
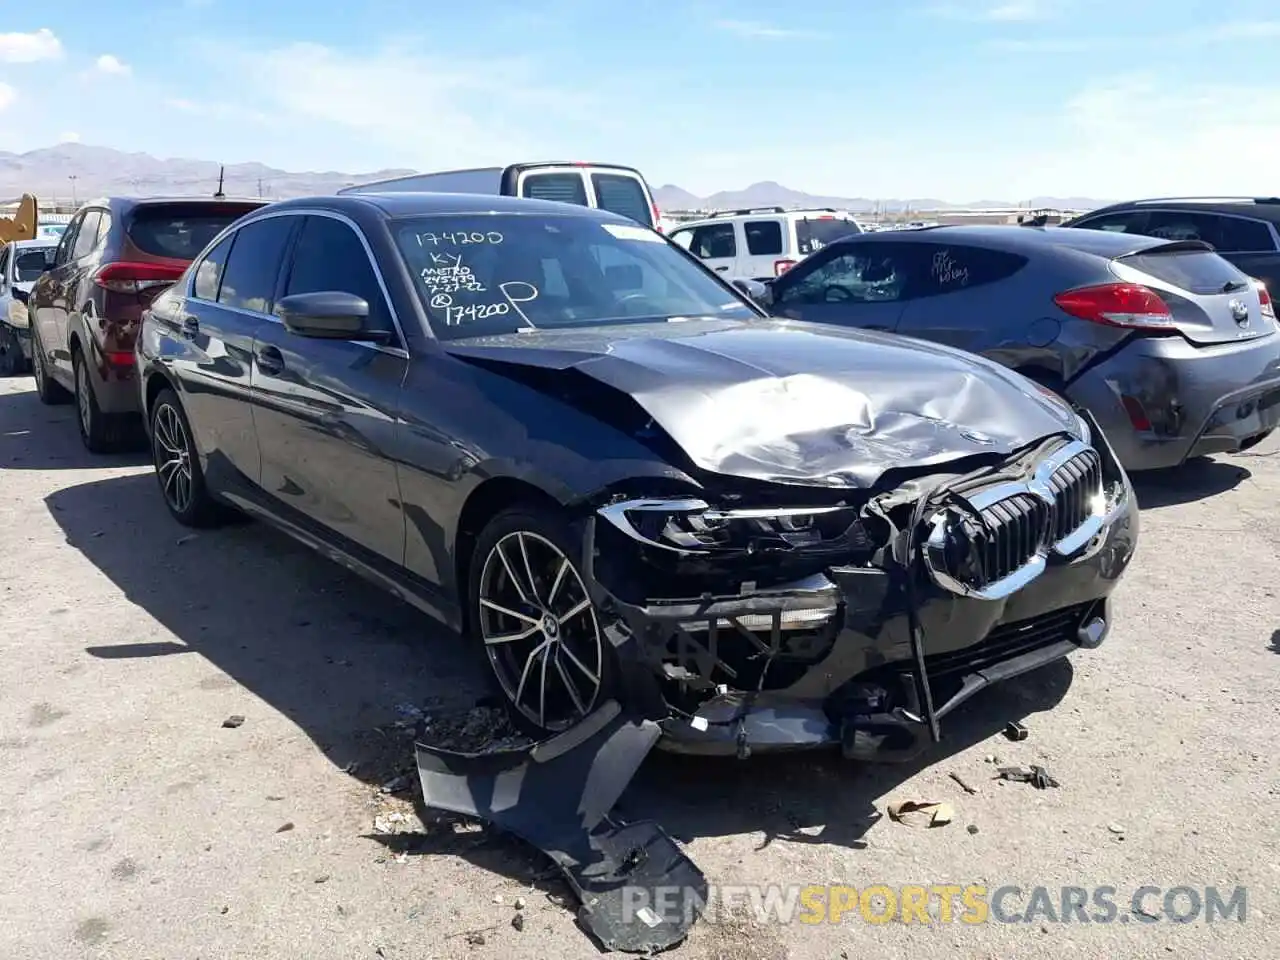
(1163, 400)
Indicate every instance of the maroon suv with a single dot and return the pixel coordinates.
(115, 257)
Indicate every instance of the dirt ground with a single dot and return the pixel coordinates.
(134, 824)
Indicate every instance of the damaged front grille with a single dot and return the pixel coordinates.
(991, 542)
(1008, 641)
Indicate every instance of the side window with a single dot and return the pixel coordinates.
(1238, 235)
(68, 241)
(87, 237)
(682, 238)
(1175, 225)
(764, 237)
(949, 269)
(872, 274)
(250, 272)
(1131, 221)
(329, 256)
(4, 266)
(714, 240)
(104, 228)
(209, 271)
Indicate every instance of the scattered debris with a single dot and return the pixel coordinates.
(519, 904)
(323, 878)
(274, 796)
(960, 780)
(1037, 776)
(480, 729)
(497, 898)
(394, 784)
(1116, 827)
(187, 539)
(475, 939)
(233, 721)
(517, 922)
(972, 828)
(224, 910)
(992, 758)
(285, 827)
(1015, 731)
(921, 813)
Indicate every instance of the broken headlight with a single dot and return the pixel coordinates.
(692, 526)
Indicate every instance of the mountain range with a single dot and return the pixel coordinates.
(76, 170)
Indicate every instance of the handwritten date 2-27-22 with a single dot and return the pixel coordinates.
(459, 239)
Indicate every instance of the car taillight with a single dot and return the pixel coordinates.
(1264, 297)
(782, 266)
(1118, 305)
(126, 277)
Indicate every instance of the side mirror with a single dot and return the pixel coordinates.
(757, 291)
(328, 315)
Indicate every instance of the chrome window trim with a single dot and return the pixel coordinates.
(395, 351)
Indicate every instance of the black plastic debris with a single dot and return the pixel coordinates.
(1037, 776)
(637, 890)
(233, 721)
(1015, 731)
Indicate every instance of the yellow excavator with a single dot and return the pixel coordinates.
(23, 224)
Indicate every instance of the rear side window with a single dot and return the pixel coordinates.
(560, 187)
(622, 194)
(87, 238)
(948, 268)
(329, 256)
(209, 272)
(713, 241)
(249, 278)
(1128, 222)
(813, 235)
(1227, 234)
(1238, 235)
(1197, 271)
(180, 231)
(764, 237)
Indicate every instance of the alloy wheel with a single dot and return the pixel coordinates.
(84, 397)
(172, 452)
(540, 630)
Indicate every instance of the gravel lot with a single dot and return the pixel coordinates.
(134, 825)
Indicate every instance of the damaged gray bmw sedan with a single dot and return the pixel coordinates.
(563, 436)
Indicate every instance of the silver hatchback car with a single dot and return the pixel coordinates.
(1174, 351)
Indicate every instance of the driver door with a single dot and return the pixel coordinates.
(849, 284)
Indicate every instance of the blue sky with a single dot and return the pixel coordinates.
(963, 100)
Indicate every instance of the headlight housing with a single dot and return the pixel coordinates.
(692, 527)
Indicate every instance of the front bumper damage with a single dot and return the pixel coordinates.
(944, 586)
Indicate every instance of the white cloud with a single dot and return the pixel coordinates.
(7, 95)
(757, 30)
(69, 137)
(111, 64)
(43, 44)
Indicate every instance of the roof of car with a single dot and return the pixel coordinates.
(1262, 208)
(129, 202)
(1025, 240)
(411, 204)
(38, 242)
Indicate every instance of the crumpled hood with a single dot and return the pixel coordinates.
(796, 402)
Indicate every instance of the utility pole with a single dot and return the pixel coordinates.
(222, 172)
(73, 178)
(259, 187)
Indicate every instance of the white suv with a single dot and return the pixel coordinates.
(763, 243)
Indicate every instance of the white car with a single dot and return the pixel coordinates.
(762, 243)
(21, 263)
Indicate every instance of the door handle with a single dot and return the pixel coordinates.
(190, 327)
(270, 359)
(722, 269)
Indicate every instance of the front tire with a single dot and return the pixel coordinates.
(533, 621)
(177, 465)
(99, 432)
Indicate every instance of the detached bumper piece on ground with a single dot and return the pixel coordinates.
(639, 893)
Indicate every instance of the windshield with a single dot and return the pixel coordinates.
(481, 275)
(813, 235)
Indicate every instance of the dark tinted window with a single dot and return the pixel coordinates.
(560, 187)
(87, 236)
(29, 264)
(209, 271)
(814, 234)
(178, 230)
(1195, 271)
(947, 268)
(1128, 221)
(714, 240)
(764, 237)
(249, 277)
(68, 241)
(329, 256)
(868, 275)
(1228, 234)
(622, 194)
